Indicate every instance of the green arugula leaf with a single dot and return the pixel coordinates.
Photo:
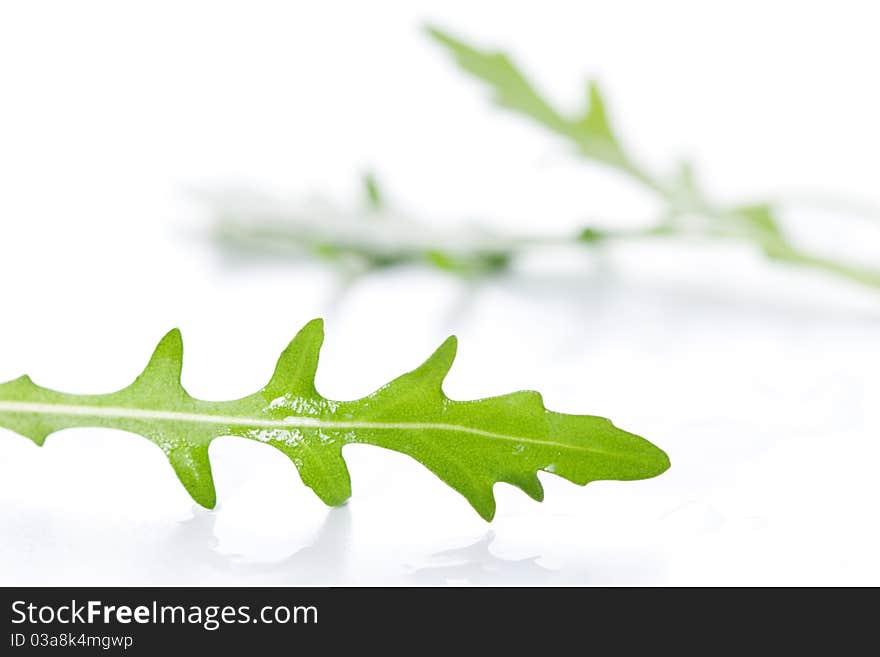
(593, 134)
(470, 445)
(511, 88)
(761, 217)
(590, 130)
(374, 197)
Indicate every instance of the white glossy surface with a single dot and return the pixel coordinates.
(761, 382)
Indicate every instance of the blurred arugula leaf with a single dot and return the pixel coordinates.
(595, 139)
(590, 130)
(373, 195)
(391, 238)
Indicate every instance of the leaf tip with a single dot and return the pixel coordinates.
(310, 336)
(315, 325)
(327, 475)
(486, 511)
(661, 461)
(652, 460)
(166, 362)
(458, 47)
(312, 333)
(533, 488)
(298, 363)
(374, 197)
(193, 469)
(433, 31)
(596, 114)
(207, 500)
(450, 345)
(171, 345)
(442, 358)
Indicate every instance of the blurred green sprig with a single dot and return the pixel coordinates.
(390, 238)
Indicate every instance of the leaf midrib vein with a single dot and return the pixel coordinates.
(292, 422)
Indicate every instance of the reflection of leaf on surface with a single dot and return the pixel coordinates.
(322, 562)
(475, 564)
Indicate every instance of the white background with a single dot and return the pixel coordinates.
(760, 381)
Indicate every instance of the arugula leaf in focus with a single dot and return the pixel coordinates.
(470, 445)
